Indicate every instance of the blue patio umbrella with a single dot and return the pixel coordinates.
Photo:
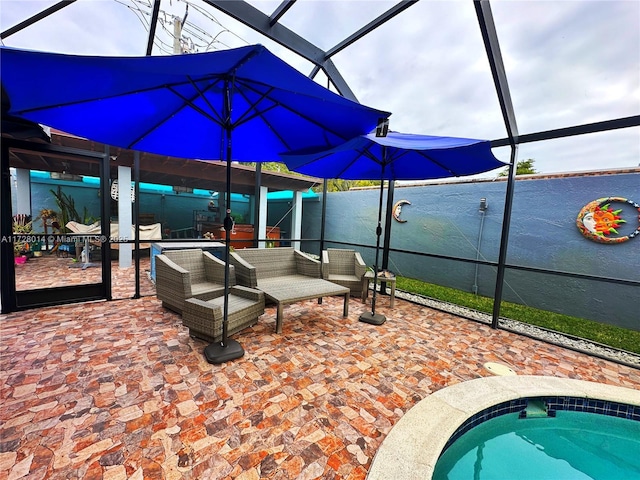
(241, 104)
(396, 156)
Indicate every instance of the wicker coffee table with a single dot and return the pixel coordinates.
(295, 288)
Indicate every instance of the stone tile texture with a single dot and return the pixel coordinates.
(118, 390)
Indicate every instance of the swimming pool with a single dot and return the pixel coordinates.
(413, 446)
(572, 445)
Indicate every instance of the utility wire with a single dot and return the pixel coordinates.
(194, 38)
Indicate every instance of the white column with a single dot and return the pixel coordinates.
(125, 217)
(262, 220)
(23, 191)
(296, 219)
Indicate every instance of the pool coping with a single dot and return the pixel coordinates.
(412, 447)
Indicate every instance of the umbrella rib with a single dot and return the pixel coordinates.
(132, 143)
(232, 77)
(372, 156)
(435, 162)
(246, 116)
(170, 87)
(366, 152)
(248, 84)
(200, 93)
(187, 102)
(95, 99)
(423, 153)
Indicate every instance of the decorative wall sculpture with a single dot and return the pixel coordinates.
(397, 210)
(599, 221)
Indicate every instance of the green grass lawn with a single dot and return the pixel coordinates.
(616, 337)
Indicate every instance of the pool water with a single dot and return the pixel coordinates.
(572, 446)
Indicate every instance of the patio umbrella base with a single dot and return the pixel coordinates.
(373, 318)
(218, 353)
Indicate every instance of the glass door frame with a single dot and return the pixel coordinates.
(13, 300)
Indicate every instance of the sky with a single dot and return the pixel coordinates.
(567, 62)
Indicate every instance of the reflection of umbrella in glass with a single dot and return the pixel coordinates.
(185, 106)
(397, 156)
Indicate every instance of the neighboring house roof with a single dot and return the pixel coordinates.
(159, 169)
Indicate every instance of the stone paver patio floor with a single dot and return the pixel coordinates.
(118, 390)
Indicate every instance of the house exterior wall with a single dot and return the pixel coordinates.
(444, 219)
(174, 211)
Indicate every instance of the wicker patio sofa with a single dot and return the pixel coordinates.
(184, 274)
(285, 275)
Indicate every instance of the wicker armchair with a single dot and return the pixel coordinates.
(183, 274)
(344, 267)
(204, 319)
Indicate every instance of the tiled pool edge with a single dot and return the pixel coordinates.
(554, 404)
(413, 445)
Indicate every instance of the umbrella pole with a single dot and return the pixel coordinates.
(228, 349)
(373, 317)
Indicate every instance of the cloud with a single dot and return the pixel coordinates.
(573, 63)
(567, 62)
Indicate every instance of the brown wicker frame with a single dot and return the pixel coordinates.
(285, 275)
(255, 264)
(183, 274)
(204, 318)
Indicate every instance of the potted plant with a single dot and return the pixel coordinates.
(22, 229)
(19, 252)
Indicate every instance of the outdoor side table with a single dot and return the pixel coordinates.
(367, 277)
